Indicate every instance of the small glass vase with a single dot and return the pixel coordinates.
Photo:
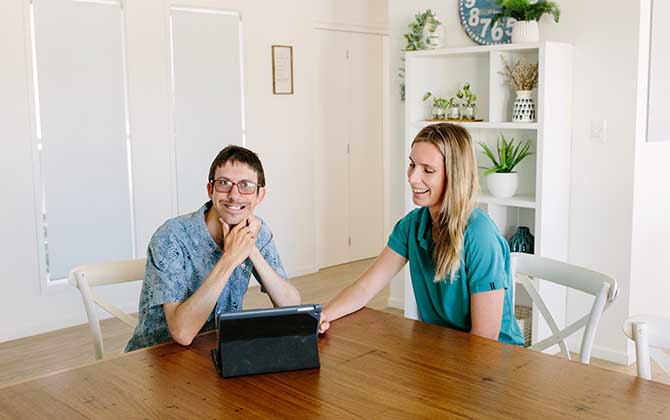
(468, 112)
(454, 113)
(522, 241)
(438, 113)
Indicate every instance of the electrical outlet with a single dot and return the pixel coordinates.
(598, 131)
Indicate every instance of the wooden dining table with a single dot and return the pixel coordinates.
(374, 365)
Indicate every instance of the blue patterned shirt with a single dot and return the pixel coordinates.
(180, 256)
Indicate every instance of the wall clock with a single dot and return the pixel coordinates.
(476, 17)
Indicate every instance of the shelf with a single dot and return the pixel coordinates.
(482, 124)
(523, 201)
(477, 50)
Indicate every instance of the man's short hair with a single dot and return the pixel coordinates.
(232, 153)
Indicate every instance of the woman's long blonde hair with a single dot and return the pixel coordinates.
(461, 185)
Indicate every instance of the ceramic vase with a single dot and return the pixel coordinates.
(502, 185)
(522, 241)
(524, 107)
(524, 31)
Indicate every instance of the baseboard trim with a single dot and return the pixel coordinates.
(295, 273)
(603, 353)
(302, 271)
(613, 356)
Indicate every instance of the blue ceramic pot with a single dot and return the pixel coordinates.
(522, 241)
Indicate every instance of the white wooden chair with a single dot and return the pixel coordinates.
(86, 277)
(603, 287)
(651, 335)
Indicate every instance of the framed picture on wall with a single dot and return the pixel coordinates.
(282, 70)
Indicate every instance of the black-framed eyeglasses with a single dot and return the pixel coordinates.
(224, 185)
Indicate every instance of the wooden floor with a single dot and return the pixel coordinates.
(71, 347)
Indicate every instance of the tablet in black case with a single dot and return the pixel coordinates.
(267, 340)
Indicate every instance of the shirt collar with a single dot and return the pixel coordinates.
(425, 235)
(200, 223)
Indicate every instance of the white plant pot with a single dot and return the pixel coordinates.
(525, 31)
(434, 39)
(502, 185)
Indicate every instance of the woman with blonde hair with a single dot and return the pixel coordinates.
(458, 260)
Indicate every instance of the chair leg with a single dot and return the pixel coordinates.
(591, 327)
(93, 322)
(643, 362)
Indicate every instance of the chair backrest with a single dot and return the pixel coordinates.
(85, 277)
(603, 287)
(651, 335)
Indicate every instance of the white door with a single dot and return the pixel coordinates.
(349, 147)
(366, 171)
(331, 145)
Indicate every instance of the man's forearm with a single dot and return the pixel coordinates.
(186, 319)
(281, 292)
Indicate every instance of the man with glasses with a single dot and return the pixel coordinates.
(199, 264)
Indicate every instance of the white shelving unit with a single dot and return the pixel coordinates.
(542, 202)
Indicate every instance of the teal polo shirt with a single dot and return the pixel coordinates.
(485, 266)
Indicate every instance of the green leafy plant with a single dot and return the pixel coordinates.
(509, 154)
(416, 39)
(470, 98)
(439, 102)
(525, 10)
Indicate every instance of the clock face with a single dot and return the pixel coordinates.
(476, 17)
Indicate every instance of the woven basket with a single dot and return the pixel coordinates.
(523, 316)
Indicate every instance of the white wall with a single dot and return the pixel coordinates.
(606, 69)
(278, 127)
(650, 287)
(617, 201)
(352, 15)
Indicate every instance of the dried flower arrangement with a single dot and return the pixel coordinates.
(520, 75)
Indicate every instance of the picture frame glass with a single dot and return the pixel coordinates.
(282, 70)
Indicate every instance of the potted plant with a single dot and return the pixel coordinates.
(501, 180)
(458, 100)
(426, 32)
(526, 14)
(469, 104)
(522, 78)
(453, 111)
